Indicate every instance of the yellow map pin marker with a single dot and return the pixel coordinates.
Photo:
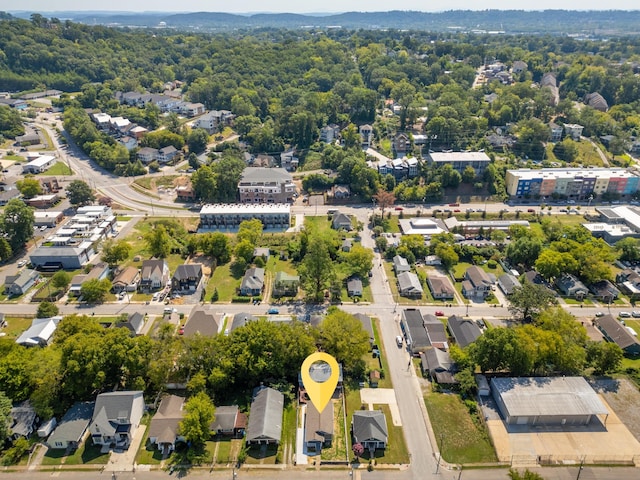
(320, 381)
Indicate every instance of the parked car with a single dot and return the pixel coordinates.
(399, 208)
(635, 314)
(181, 330)
(22, 263)
(273, 311)
(456, 204)
(399, 341)
(439, 313)
(599, 314)
(481, 323)
(531, 210)
(624, 314)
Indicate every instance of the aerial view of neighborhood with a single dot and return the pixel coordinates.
(192, 205)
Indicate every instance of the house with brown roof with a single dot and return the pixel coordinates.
(477, 283)
(440, 287)
(616, 332)
(229, 421)
(318, 427)
(164, 427)
(202, 322)
(126, 280)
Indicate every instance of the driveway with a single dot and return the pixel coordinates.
(379, 396)
(125, 461)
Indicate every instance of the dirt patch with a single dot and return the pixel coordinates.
(624, 398)
(207, 263)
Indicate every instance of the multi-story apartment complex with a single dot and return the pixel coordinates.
(479, 161)
(572, 183)
(266, 185)
(229, 216)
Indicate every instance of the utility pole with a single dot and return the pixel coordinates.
(440, 453)
(580, 468)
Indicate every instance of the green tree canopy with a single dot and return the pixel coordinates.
(343, 336)
(316, 269)
(530, 299)
(79, 193)
(200, 412)
(114, 252)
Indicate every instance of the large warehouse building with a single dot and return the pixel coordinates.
(554, 401)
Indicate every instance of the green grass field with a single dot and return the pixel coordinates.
(58, 168)
(461, 440)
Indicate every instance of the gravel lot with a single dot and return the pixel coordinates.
(623, 396)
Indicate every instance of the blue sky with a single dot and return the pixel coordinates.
(317, 6)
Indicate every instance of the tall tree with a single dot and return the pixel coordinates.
(16, 223)
(359, 261)
(5, 410)
(94, 290)
(250, 230)
(29, 187)
(200, 412)
(530, 299)
(316, 269)
(79, 193)
(384, 200)
(158, 242)
(114, 252)
(343, 336)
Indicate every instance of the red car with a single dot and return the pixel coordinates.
(457, 210)
(454, 204)
(439, 313)
(531, 210)
(181, 330)
(399, 208)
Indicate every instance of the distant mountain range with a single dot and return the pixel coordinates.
(609, 22)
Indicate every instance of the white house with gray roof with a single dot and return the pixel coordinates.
(116, 417)
(69, 432)
(265, 418)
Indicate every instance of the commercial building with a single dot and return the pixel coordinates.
(554, 401)
(572, 183)
(39, 165)
(617, 223)
(229, 216)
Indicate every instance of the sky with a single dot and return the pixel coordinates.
(311, 6)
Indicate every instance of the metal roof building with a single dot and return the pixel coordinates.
(547, 400)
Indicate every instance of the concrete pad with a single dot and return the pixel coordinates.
(386, 396)
(125, 461)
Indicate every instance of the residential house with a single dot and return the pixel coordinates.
(185, 193)
(340, 192)
(354, 287)
(16, 285)
(265, 417)
(252, 282)
(365, 320)
(617, 333)
(318, 427)
(154, 275)
(556, 132)
(7, 195)
(70, 431)
(369, 429)
(366, 135)
(202, 322)
(289, 161)
(134, 323)
(400, 264)
(439, 365)
(329, 133)
(211, 121)
(129, 142)
(40, 333)
(570, 286)
(187, 277)
(229, 421)
(432, 260)
(629, 281)
(477, 283)
(263, 252)
(463, 330)
(266, 185)
(167, 154)
(409, 285)
(508, 283)
(604, 291)
(573, 130)
(165, 424)
(519, 66)
(401, 144)
(412, 325)
(98, 272)
(435, 332)
(192, 109)
(240, 320)
(596, 101)
(347, 244)
(286, 284)
(440, 287)
(126, 280)
(23, 420)
(147, 155)
(341, 221)
(116, 417)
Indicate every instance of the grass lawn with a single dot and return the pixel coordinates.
(224, 453)
(256, 455)
(396, 451)
(151, 183)
(461, 440)
(148, 454)
(87, 455)
(388, 267)
(289, 425)
(573, 301)
(16, 325)
(224, 282)
(317, 225)
(59, 168)
(16, 158)
(338, 449)
(380, 362)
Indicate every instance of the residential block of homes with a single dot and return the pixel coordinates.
(229, 216)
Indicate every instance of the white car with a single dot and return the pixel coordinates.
(22, 263)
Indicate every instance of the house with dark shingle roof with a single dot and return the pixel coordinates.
(154, 275)
(116, 417)
(229, 421)
(617, 333)
(202, 322)
(439, 365)
(400, 264)
(165, 425)
(369, 428)
(318, 427)
(440, 287)
(365, 320)
(241, 319)
(604, 291)
(477, 282)
(409, 285)
(341, 221)
(354, 287)
(463, 330)
(15, 285)
(252, 282)
(70, 431)
(23, 420)
(134, 323)
(187, 277)
(570, 286)
(412, 325)
(435, 331)
(508, 283)
(265, 417)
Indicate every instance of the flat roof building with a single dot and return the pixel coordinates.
(276, 216)
(479, 161)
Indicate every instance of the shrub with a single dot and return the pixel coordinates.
(492, 264)
(240, 299)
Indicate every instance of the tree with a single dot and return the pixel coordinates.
(5, 250)
(343, 336)
(204, 182)
(47, 310)
(197, 140)
(94, 290)
(114, 252)
(530, 299)
(468, 175)
(158, 242)
(384, 199)
(526, 475)
(250, 230)
(244, 250)
(503, 349)
(16, 223)
(217, 246)
(228, 171)
(29, 187)
(524, 251)
(628, 248)
(79, 193)
(316, 269)
(551, 263)
(447, 254)
(5, 410)
(604, 357)
(60, 280)
(359, 261)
